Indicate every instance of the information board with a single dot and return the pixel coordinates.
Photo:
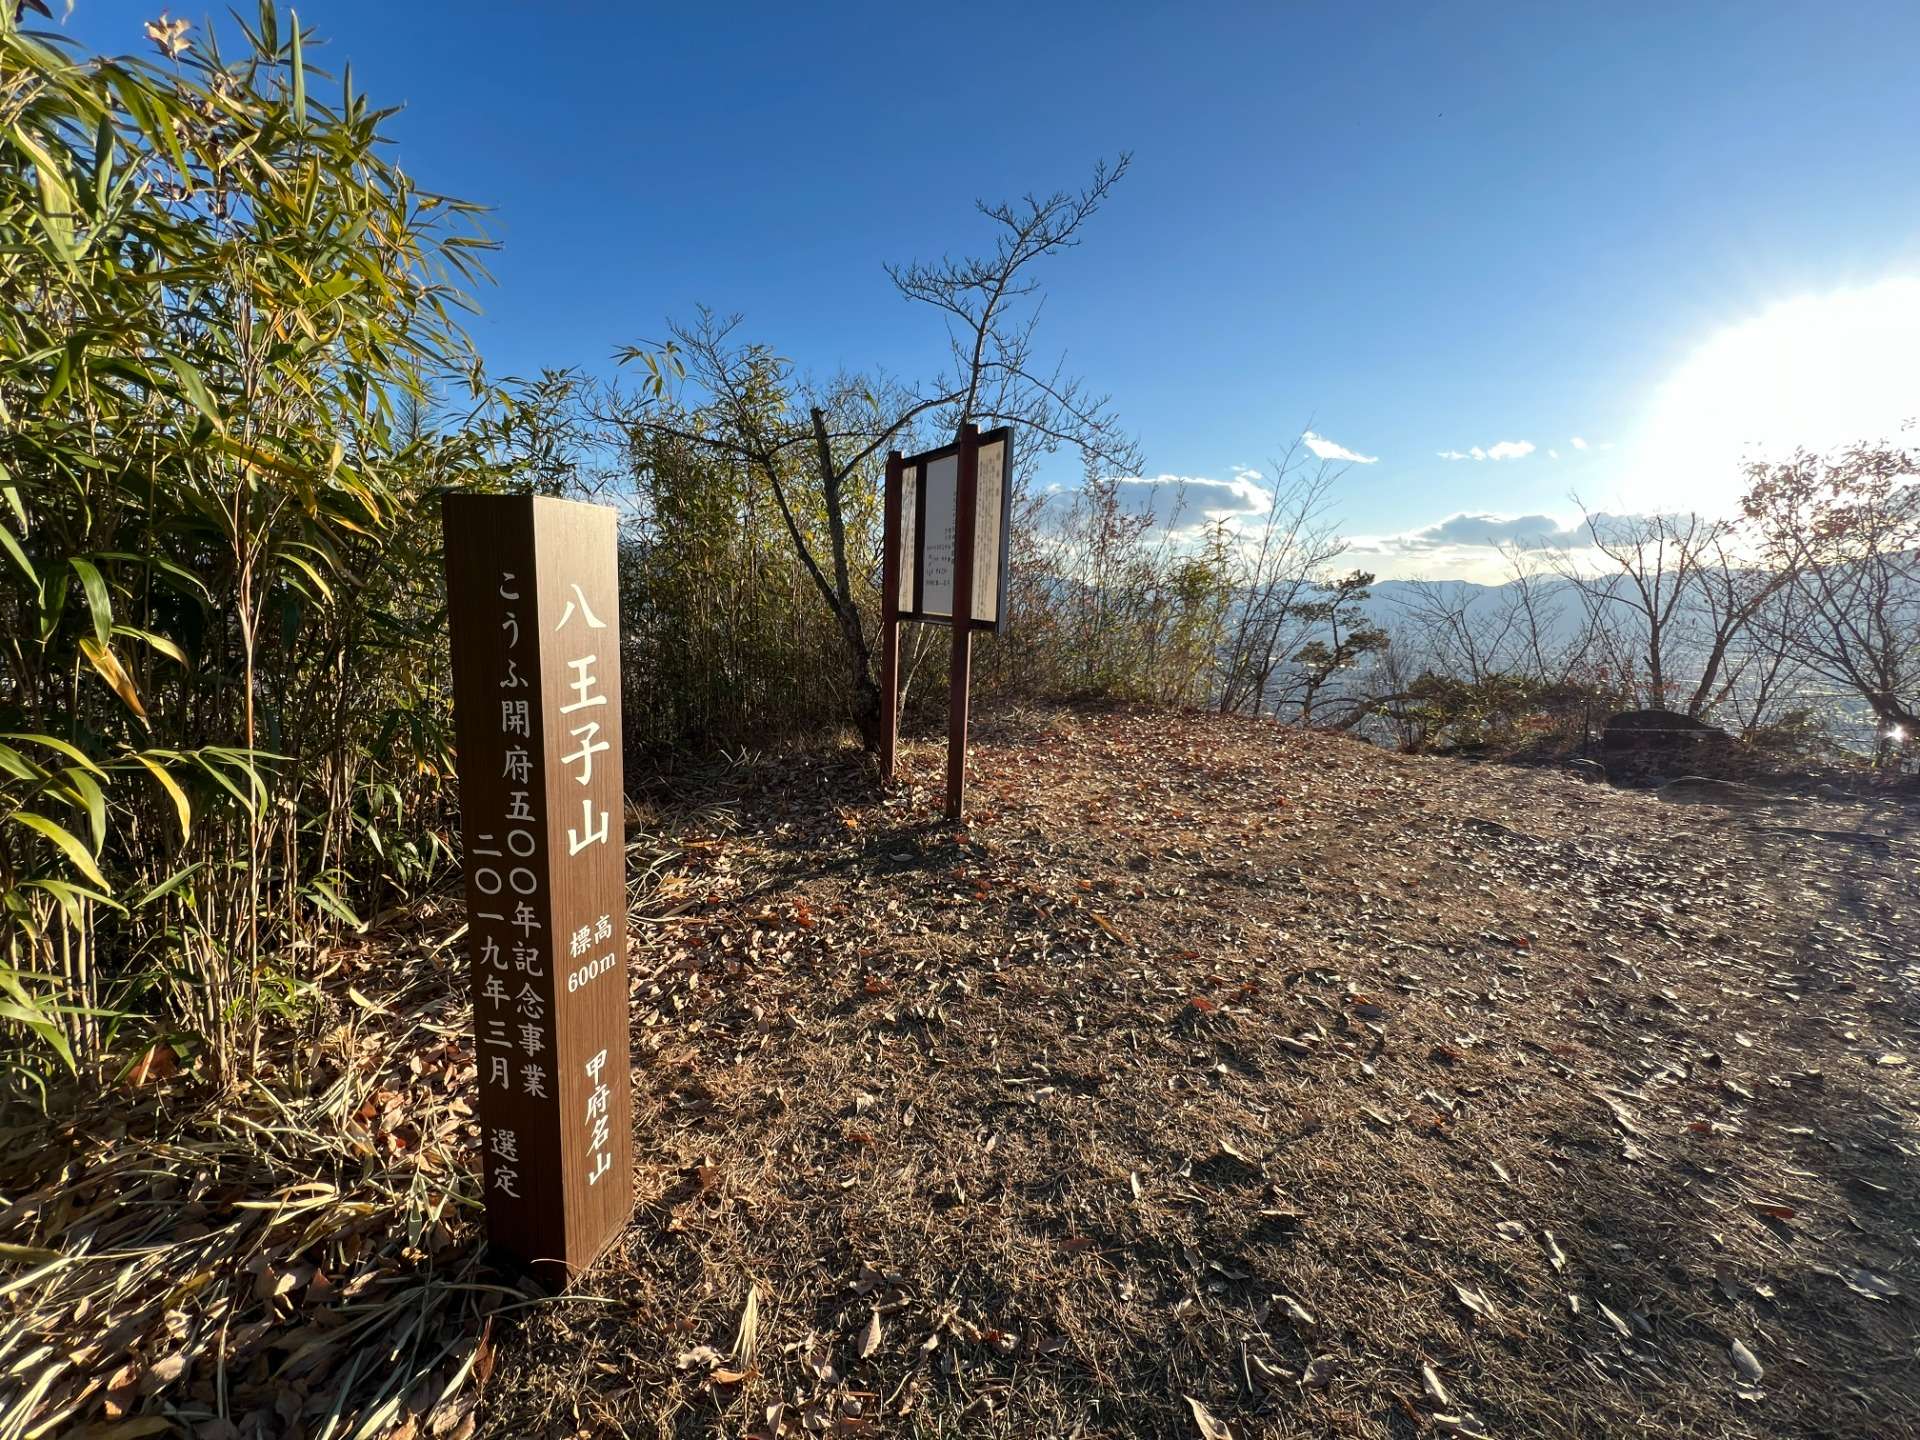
(929, 485)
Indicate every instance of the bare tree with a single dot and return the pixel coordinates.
(1766, 678)
(1457, 630)
(1847, 529)
(1271, 571)
(1730, 592)
(815, 442)
(1651, 564)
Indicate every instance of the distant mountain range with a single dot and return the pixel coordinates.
(1390, 601)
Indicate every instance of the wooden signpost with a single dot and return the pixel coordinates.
(533, 604)
(944, 554)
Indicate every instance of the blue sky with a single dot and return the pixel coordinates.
(1417, 228)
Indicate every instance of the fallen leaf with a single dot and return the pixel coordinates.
(163, 1372)
(1203, 1419)
(870, 1337)
(1622, 1116)
(1745, 1362)
(747, 1338)
(157, 1063)
(1269, 1374)
(1555, 1255)
(1874, 1287)
(270, 1284)
(1473, 1300)
(819, 1360)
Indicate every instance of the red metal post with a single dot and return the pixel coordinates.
(965, 504)
(890, 619)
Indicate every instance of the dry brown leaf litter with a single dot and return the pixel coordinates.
(1211, 1070)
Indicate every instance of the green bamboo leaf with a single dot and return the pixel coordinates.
(306, 567)
(62, 376)
(194, 388)
(94, 800)
(167, 886)
(226, 782)
(18, 766)
(99, 603)
(299, 73)
(57, 208)
(53, 604)
(329, 900)
(102, 163)
(54, 742)
(160, 643)
(24, 1010)
(66, 841)
(19, 557)
(74, 899)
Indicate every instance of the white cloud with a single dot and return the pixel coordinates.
(1328, 450)
(1577, 443)
(1504, 450)
(1475, 546)
(1180, 503)
(1553, 454)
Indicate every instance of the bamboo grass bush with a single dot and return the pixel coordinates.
(223, 314)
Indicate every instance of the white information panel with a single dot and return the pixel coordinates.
(936, 547)
(927, 512)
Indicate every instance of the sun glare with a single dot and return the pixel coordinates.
(1817, 371)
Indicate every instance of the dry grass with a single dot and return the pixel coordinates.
(1343, 1093)
(287, 1259)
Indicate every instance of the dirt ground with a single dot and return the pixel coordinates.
(1216, 1079)
(1224, 1079)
